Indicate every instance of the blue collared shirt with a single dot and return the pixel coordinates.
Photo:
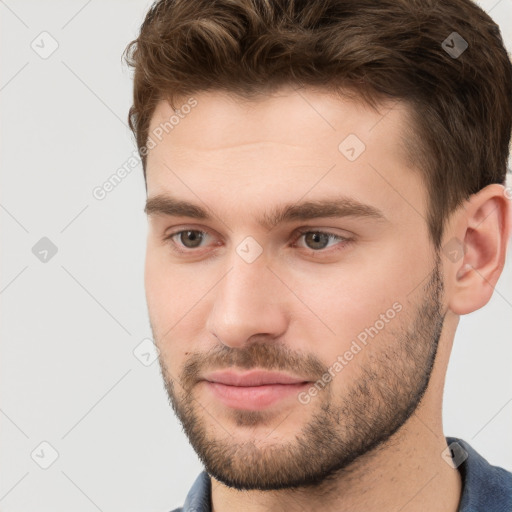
(485, 488)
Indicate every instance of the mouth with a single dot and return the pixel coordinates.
(255, 390)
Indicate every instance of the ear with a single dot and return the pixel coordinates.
(476, 248)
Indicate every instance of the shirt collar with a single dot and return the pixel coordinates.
(484, 487)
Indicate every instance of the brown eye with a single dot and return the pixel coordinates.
(317, 241)
(187, 241)
(191, 238)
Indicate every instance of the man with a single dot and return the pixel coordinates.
(325, 197)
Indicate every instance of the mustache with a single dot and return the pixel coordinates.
(257, 355)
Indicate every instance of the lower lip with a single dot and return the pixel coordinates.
(254, 398)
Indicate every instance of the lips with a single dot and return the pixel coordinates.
(255, 390)
(253, 378)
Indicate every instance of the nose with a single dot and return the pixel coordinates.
(248, 301)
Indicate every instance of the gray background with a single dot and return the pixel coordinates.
(70, 324)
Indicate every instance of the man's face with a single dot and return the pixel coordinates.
(350, 300)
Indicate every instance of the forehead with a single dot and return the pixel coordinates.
(240, 156)
(288, 116)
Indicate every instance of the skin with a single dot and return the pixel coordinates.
(372, 439)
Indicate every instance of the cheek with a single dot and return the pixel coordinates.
(175, 308)
(157, 285)
(169, 287)
(166, 297)
(366, 295)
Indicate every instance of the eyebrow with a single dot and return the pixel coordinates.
(307, 210)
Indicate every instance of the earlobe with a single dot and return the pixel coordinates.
(482, 229)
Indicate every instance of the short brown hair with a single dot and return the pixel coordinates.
(460, 105)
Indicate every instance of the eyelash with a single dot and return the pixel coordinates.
(301, 232)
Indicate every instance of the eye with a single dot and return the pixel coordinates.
(319, 240)
(188, 238)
